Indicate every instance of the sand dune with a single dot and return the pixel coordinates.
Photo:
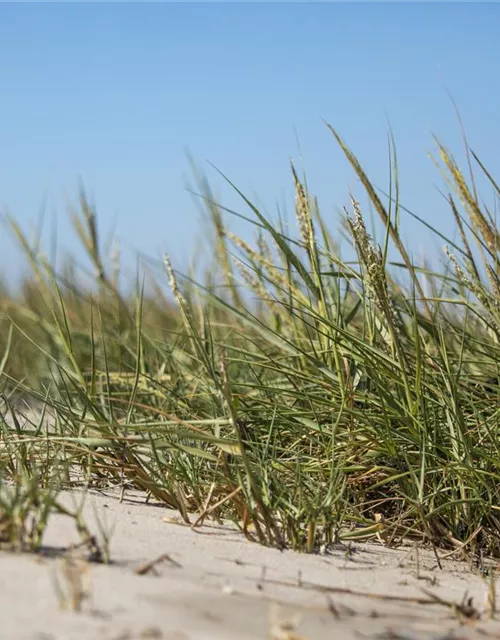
(171, 582)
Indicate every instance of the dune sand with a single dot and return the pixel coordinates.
(170, 582)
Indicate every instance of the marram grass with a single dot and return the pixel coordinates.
(313, 400)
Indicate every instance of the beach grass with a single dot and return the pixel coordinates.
(308, 398)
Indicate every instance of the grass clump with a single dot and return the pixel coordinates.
(314, 400)
(32, 476)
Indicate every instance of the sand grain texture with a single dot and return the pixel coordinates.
(213, 584)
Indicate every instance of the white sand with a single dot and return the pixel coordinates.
(219, 587)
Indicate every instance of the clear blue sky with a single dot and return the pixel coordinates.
(116, 94)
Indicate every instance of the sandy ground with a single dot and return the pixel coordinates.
(214, 584)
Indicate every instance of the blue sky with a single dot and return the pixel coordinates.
(116, 94)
